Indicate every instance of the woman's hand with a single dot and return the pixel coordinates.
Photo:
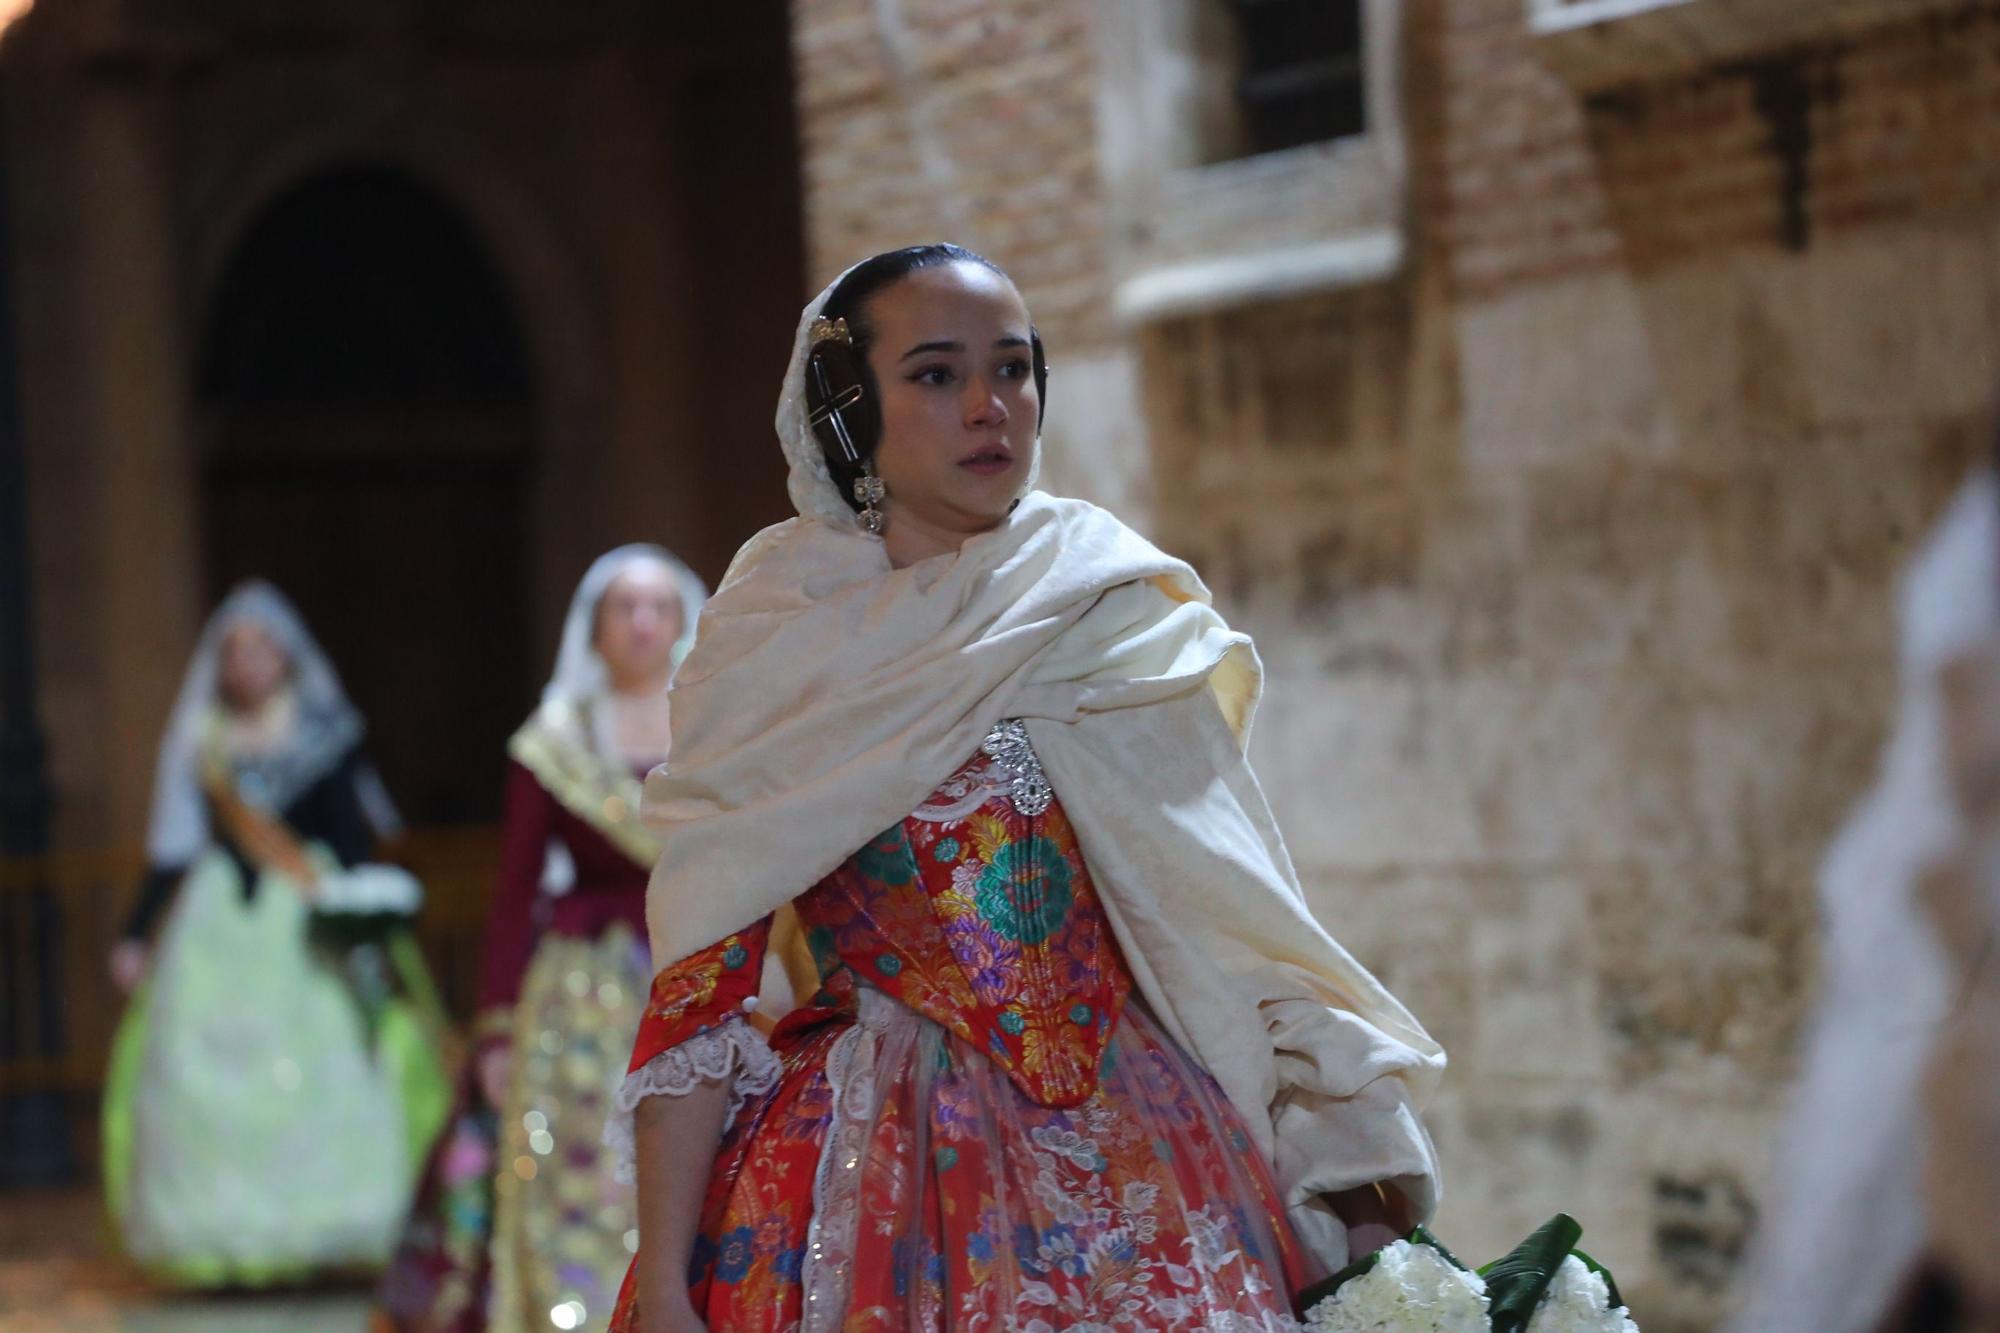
(1369, 1237)
(128, 964)
(496, 1072)
(673, 1134)
(1375, 1216)
(668, 1310)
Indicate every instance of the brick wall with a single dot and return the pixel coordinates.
(1537, 183)
(960, 121)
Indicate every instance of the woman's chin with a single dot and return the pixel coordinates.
(966, 506)
(986, 517)
(990, 498)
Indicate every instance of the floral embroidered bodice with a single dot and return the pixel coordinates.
(977, 911)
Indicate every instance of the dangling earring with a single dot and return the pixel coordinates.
(870, 492)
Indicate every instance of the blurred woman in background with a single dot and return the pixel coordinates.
(519, 1214)
(1887, 1190)
(276, 1076)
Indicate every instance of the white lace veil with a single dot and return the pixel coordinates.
(179, 828)
(580, 672)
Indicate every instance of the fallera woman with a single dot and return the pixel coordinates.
(1078, 1054)
(277, 1075)
(521, 1214)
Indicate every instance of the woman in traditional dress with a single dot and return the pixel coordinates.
(1080, 1056)
(520, 1214)
(271, 1088)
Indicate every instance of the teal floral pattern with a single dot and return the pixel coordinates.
(1024, 892)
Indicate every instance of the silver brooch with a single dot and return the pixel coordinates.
(1007, 745)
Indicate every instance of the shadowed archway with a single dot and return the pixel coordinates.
(367, 430)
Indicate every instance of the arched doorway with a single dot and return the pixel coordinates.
(367, 426)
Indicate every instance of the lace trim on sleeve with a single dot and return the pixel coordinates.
(731, 1047)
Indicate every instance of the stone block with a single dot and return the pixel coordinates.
(1532, 980)
(1534, 393)
(1885, 334)
(1701, 967)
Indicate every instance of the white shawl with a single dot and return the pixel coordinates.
(828, 695)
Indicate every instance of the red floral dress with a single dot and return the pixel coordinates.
(973, 1124)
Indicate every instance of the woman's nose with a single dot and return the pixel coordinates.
(987, 408)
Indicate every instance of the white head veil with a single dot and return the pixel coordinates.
(329, 727)
(581, 673)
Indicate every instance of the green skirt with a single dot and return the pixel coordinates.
(255, 1129)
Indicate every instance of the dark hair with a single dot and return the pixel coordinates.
(849, 301)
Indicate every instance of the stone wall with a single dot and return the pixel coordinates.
(1570, 547)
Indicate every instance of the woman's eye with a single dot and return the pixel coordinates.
(933, 375)
(1015, 369)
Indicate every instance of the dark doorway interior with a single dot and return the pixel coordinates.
(368, 411)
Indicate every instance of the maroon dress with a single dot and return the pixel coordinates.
(610, 887)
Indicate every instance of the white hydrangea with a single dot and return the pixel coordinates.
(1411, 1289)
(1577, 1301)
(367, 890)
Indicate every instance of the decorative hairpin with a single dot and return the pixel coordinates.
(826, 330)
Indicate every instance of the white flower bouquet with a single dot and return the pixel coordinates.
(361, 918)
(1411, 1286)
(1543, 1285)
(368, 890)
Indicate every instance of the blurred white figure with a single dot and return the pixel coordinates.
(1962, 1088)
(1852, 1239)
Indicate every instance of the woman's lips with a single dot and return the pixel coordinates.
(988, 461)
